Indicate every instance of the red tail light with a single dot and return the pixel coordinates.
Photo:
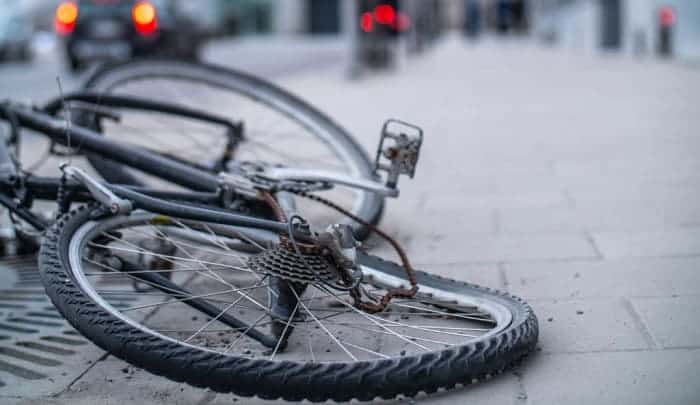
(367, 22)
(66, 16)
(145, 19)
(385, 14)
(403, 22)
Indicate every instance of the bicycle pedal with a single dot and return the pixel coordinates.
(398, 150)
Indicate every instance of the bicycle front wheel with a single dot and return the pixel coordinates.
(205, 322)
(278, 128)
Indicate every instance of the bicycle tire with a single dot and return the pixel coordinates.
(110, 77)
(364, 381)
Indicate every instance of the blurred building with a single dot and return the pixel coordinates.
(340, 16)
(640, 27)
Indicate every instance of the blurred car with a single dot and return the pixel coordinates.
(381, 22)
(98, 30)
(16, 31)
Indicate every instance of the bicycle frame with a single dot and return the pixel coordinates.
(207, 184)
(214, 191)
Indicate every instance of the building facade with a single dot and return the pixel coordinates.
(637, 27)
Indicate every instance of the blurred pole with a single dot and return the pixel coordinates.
(414, 39)
(351, 30)
(666, 22)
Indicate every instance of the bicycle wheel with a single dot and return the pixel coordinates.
(451, 333)
(279, 128)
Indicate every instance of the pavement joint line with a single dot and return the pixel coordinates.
(606, 298)
(208, 397)
(521, 394)
(496, 221)
(667, 256)
(569, 198)
(589, 237)
(646, 350)
(81, 375)
(503, 278)
(552, 167)
(574, 259)
(15, 397)
(652, 297)
(422, 201)
(641, 325)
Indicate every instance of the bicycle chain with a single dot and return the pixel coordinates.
(355, 293)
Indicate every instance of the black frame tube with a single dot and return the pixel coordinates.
(46, 188)
(145, 161)
(120, 101)
(201, 214)
(148, 162)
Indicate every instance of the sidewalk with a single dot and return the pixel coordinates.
(571, 181)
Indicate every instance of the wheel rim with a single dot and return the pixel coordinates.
(346, 335)
(301, 138)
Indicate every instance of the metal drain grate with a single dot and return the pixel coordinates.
(36, 344)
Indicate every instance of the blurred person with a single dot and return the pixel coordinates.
(472, 20)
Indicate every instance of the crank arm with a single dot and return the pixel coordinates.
(281, 174)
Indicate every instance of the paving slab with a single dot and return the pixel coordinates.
(504, 200)
(598, 217)
(426, 222)
(588, 326)
(631, 277)
(455, 246)
(671, 242)
(672, 321)
(113, 382)
(634, 377)
(638, 193)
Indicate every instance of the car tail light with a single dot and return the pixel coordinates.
(66, 16)
(403, 22)
(385, 14)
(144, 16)
(367, 22)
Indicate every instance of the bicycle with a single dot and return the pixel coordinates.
(231, 286)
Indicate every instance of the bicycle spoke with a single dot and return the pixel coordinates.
(170, 257)
(369, 317)
(333, 338)
(245, 332)
(212, 320)
(189, 298)
(284, 331)
(446, 313)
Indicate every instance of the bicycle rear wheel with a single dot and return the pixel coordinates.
(279, 128)
(450, 333)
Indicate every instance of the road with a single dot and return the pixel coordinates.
(270, 58)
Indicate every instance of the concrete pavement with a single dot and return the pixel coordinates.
(572, 181)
